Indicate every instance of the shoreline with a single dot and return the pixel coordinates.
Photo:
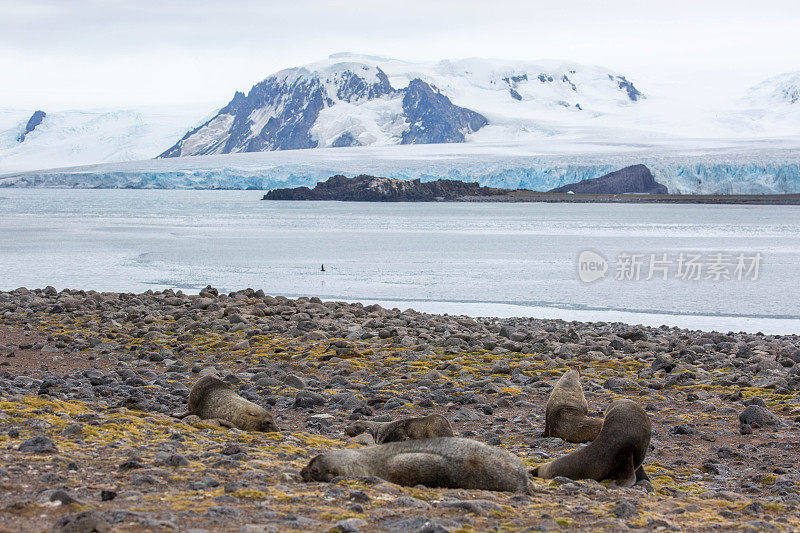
(710, 199)
(522, 311)
(89, 381)
(691, 322)
(513, 196)
(523, 196)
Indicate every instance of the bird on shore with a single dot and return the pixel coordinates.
(323, 268)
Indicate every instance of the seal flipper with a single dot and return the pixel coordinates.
(641, 474)
(626, 476)
(218, 422)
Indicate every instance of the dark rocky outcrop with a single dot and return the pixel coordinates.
(632, 179)
(344, 140)
(35, 120)
(434, 118)
(633, 93)
(373, 189)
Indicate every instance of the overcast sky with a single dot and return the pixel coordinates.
(66, 54)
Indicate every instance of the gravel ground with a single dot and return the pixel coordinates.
(88, 382)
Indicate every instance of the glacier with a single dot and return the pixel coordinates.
(724, 167)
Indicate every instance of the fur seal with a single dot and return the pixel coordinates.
(213, 399)
(567, 412)
(423, 427)
(446, 462)
(617, 452)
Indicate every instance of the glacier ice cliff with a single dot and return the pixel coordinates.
(749, 172)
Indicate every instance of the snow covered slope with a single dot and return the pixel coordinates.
(772, 107)
(355, 100)
(69, 138)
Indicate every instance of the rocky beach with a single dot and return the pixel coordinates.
(89, 381)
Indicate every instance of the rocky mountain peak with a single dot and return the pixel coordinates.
(35, 120)
(350, 100)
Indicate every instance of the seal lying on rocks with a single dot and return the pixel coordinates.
(617, 452)
(423, 427)
(447, 462)
(567, 412)
(213, 399)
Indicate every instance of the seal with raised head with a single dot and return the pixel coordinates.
(616, 454)
(567, 412)
(213, 399)
(445, 462)
(422, 427)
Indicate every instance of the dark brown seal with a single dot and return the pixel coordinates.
(567, 412)
(447, 462)
(616, 454)
(213, 399)
(423, 427)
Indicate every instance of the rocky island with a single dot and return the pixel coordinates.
(90, 381)
(366, 188)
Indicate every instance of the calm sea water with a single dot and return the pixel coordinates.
(478, 259)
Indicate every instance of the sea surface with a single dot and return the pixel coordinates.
(482, 259)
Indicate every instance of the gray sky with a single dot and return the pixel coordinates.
(61, 54)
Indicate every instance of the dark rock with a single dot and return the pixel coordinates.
(39, 444)
(306, 399)
(171, 459)
(414, 524)
(84, 522)
(349, 525)
(632, 179)
(682, 429)
(411, 502)
(624, 509)
(72, 430)
(757, 416)
(294, 381)
(662, 362)
(130, 464)
(616, 383)
(35, 120)
(222, 511)
(232, 448)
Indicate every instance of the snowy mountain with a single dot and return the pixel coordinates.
(770, 108)
(504, 124)
(68, 138)
(350, 100)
